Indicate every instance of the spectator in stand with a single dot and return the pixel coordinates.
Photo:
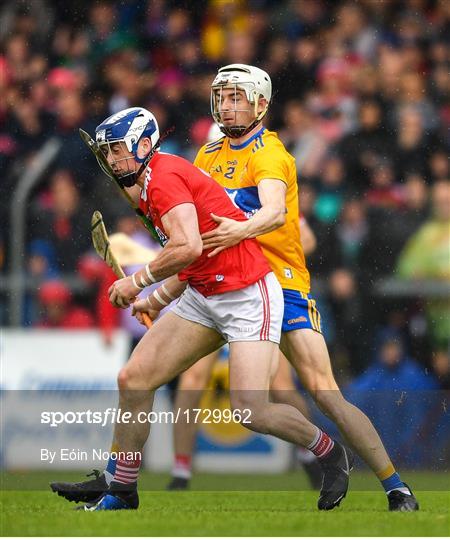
(330, 190)
(303, 139)
(354, 28)
(28, 123)
(426, 256)
(331, 100)
(41, 263)
(412, 145)
(305, 58)
(394, 212)
(105, 34)
(427, 253)
(440, 363)
(346, 306)
(413, 94)
(393, 369)
(71, 114)
(222, 18)
(41, 266)
(128, 83)
(366, 147)
(98, 278)
(57, 310)
(65, 222)
(396, 391)
(303, 18)
(439, 165)
(415, 208)
(351, 234)
(384, 193)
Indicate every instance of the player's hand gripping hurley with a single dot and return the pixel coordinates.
(103, 248)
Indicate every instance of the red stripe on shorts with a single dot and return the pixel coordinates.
(261, 334)
(268, 306)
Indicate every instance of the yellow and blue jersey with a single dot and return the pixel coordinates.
(239, 169)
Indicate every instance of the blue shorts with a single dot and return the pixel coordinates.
(300, 312)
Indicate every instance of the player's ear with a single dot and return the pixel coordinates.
(144, 147)
(262, 104)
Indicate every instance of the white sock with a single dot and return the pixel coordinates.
(404, 490)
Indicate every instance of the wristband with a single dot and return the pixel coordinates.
(143, 282)
(157, 296)
(149, 274)
(166, 292)
(133, 279)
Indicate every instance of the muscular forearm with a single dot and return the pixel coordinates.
(173, 258)
(170, 290)
(267, 219)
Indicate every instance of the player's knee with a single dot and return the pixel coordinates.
(124, 379)
(131, 379)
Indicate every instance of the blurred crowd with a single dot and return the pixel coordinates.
(361, 99)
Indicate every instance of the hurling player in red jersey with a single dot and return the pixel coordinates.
(233, 297)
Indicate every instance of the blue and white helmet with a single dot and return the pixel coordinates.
(129, 126)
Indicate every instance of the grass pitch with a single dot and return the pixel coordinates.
(271, 511)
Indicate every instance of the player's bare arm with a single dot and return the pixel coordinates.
(271, 216)
(183, 248)
(167, 292)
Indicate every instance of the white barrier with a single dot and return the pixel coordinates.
(66, 371)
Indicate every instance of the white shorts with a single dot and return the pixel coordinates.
(254, 313)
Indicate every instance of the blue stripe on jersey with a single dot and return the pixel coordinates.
(246, 143)
(258, 144)
(213, 150)
(245, 198)
(214, 143)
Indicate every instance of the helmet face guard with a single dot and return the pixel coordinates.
(237, 130)
(254, 82)
(127, 176)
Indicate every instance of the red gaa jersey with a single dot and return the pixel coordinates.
(171, 180)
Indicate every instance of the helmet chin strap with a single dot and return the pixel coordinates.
(235, 132)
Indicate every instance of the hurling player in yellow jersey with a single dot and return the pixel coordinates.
(260, 177)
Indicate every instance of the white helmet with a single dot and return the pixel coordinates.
(254, 81)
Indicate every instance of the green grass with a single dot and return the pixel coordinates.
(271, 511)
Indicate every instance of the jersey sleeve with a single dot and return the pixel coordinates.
(169, 191)
(271, 161)
(199, 160)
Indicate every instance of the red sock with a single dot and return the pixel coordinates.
(182, 466)
(321, 445)
(127, 470)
